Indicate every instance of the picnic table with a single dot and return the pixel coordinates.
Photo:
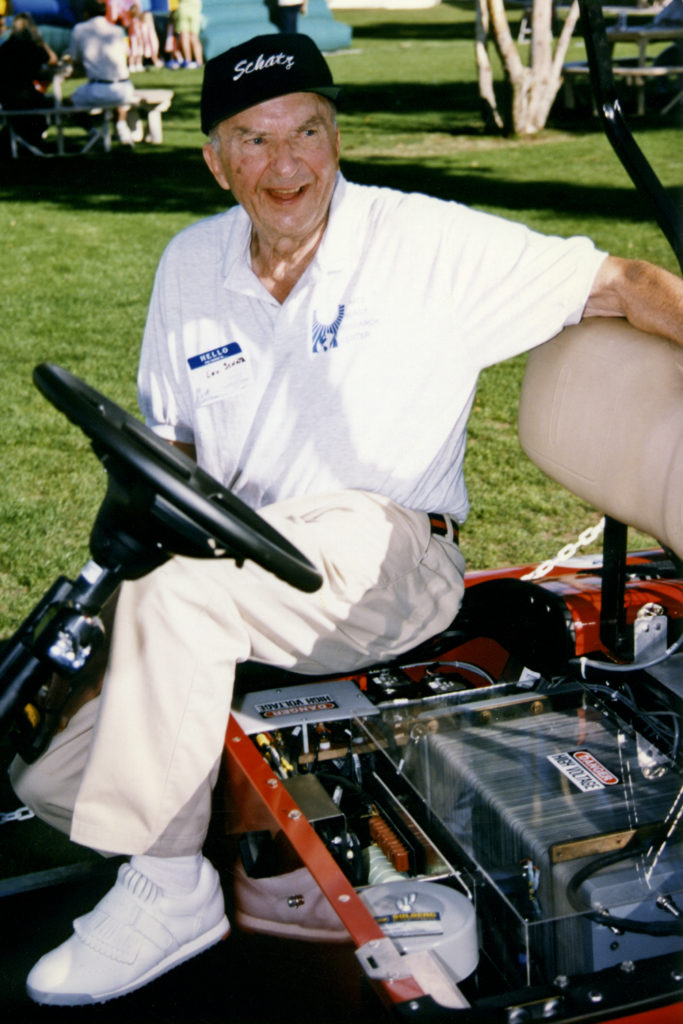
(643, 36)
(150, 104)
(634, 71)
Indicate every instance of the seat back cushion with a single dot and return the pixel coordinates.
(601, 412)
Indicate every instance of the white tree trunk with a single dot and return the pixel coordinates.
(533, 87)
(487, 90)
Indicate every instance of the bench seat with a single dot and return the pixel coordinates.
(149, 104)
(632, 73)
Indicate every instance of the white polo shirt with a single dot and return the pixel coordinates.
(364, 377)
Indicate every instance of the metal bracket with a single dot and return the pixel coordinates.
(382, 961)
(649, 636)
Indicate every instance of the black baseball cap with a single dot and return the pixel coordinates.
(261, 69)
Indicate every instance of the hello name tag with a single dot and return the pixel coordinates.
(217, 372)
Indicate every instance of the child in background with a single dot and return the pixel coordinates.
(188, 23)
(148, 35)
(172, 52)
(135, 16)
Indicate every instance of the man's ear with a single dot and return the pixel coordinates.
(215, 166)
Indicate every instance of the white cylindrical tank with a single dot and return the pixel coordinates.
(421, 915)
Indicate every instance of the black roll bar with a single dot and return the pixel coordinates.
(666, 213)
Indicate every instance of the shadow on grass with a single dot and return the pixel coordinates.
(126, 181)
(396, 29)
(482, 189)
(174, 178)
(459, 99)
(179, 181)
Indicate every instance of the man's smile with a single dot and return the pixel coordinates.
(284, 195)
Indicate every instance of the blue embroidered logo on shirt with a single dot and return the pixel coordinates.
(222, 352)
(325, 335)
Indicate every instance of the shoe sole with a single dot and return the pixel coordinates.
(186, 952)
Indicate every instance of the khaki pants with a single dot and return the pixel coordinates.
(134, 769)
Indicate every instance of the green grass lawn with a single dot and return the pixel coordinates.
(82, 237)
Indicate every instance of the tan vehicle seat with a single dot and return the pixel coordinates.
(601, 412)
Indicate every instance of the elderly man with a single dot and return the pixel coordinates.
(317, 348)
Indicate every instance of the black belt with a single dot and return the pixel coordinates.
(439, 524)
(108, 81)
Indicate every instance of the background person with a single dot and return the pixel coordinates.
(26, 68)
(101, 48)
(288, 14)
(299, 349)
(188, 16)
(173, 56)
(137, 21)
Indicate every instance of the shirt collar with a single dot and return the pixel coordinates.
(337, 242)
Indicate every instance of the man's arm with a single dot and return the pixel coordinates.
(649, 297)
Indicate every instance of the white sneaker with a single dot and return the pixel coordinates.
(133, 935)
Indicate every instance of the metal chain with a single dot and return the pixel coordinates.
(568, 551)
(21, 814)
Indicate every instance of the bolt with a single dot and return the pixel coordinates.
(550, 1008)
(294, 814)
(518, 1015)
(627, 966)
(595, 996)
(561, 981)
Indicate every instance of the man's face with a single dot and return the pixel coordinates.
(280, 159)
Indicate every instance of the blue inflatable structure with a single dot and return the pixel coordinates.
(225, 23)
(50, 12)
(229, 22)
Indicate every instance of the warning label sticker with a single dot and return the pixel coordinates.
(295, 706)
(584, 770)
(414, 922)
(322, 700)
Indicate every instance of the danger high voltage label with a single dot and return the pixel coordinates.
(296, 705)
(584, 770)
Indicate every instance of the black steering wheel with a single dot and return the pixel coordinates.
(158, 500)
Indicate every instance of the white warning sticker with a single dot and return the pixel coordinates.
(329, 700)
(296, 705)
(584, 770)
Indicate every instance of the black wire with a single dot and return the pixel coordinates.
(626, 924)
